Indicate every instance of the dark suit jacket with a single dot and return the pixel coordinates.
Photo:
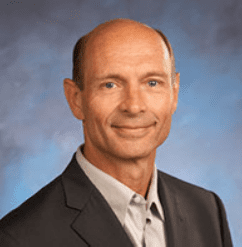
(71, 212)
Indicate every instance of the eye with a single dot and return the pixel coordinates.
(152, 83)
(110, 85)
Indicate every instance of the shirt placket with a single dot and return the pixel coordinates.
(136, 220)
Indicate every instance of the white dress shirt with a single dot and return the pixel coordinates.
(143, 220)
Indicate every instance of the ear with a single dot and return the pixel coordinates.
(175, 91)
(74, 97)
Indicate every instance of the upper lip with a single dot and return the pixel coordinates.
(131, 126)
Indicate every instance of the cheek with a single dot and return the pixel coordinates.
(164, 128)
(160, 105)
(100, 108)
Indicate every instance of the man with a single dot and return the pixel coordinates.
(125, 90)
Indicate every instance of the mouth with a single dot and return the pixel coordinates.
(125, 131)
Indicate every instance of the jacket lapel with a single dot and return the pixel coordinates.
(96, 223)
(175, 224)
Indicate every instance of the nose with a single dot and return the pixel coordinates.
(133, 100)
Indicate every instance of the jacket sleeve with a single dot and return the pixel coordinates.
(224, 227)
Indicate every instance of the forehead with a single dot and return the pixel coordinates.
(126, 44)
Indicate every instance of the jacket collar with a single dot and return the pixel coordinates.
(96, 222)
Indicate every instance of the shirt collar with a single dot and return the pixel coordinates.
(153, 194)
(117, 194)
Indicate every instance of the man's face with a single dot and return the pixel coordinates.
(128, 100)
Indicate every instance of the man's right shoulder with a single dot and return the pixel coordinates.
(48, 196)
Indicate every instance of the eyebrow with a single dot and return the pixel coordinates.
(155, 73)
(122, 78)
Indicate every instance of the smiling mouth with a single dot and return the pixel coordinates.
(132, 131)
(132, 126)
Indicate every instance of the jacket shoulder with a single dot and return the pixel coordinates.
(183, 186)
(189, 196)
(51, 194)
(198, 206)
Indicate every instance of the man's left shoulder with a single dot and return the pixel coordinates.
(188, 192)
(199, 208)
(179, 183)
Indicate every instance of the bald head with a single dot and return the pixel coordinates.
(112, 33)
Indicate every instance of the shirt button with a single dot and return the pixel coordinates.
(137, 199)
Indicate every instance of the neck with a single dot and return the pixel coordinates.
(134, 173)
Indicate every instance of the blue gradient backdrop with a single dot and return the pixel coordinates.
(38, 133)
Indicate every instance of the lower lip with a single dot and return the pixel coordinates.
(132, 133)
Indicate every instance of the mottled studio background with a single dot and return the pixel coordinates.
(38, 133)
